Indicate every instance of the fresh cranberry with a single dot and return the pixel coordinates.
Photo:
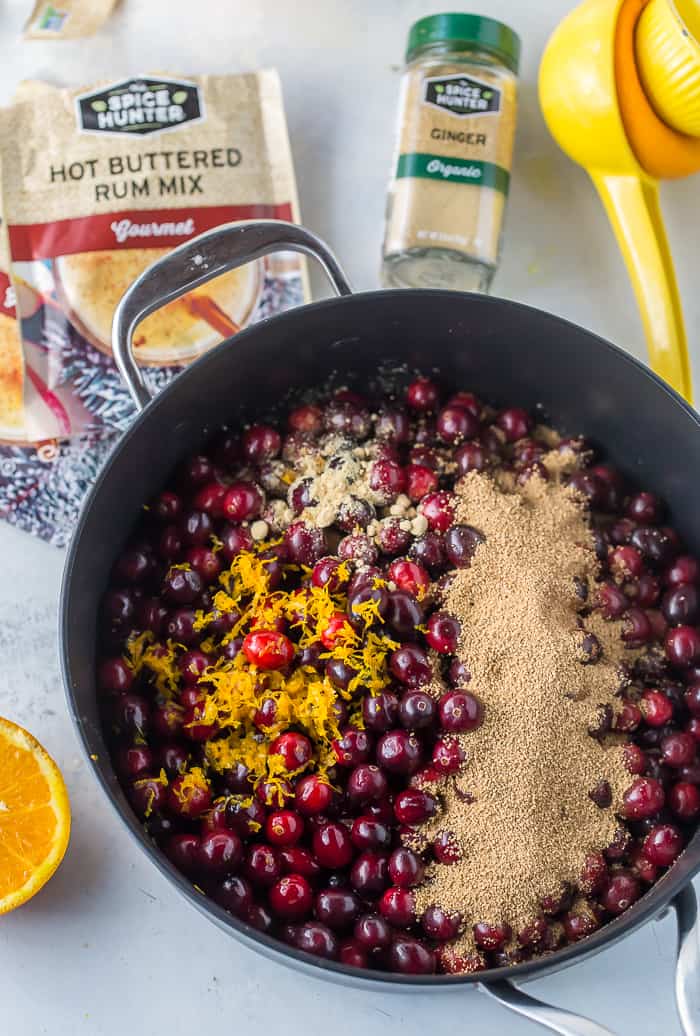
(399, 752)
(417, 710)
(380, 711)
(296, 860)
(460, 544)
(368, 875)
(406, 869)
(514, 423)
(183, 851)
(448, 755)
(352, 954)
(637, 629)
(681, 605)
(644, 798)
(268, 649)
(359, 615)
(656, 545)
(589, 486)
(358, 548)
(188, 798)
(625, 562)
(594, 874)
(235, 895)
(353, 748)
(459, 711)
(409, 956)
(372, 932)
(337, 908)
(677, 749)
(305, 544)
(410, 665)
(662, 845)
(219, 852)
(403, 613)
(422, 395)
(180, 626)
(440, 925)
(471, 456)
(316, 938)
(366, 784)
(262, 865)
(312, 795)
(325, 574)
(621, 891)
(428, 551)
(196, 528)
(656, 708)
(307, 419)
(260, 443)
(167, 507)
(291, 897)
(446, 848)
(685, 569)
(205, 563)
(246, 819)
(193, 725)
(387, 479)
(332, 846)
(132, 715)
(420, 480)
(628, 718)
(635, 759)
(645, 591)
(295, 749)
(347, 417)
(413, 806)
(196, 471)
(438, 510)
(491, 936)
(640, 867)
(398, 906)
(284, 827)
(369, 833)
(454, 425)
(115, 676)
(193, 665)
(210, 499)
(236, 539)
(174, 758)
(443, 633)
(684, 800)
(408, 576)
(644, 508)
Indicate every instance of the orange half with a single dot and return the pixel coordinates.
(34, 816)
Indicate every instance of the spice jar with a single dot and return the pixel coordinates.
(455, 144)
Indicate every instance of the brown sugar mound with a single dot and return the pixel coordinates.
(519, 810)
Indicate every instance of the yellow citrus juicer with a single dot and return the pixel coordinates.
(620, 92)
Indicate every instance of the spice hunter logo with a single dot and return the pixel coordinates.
(462, 96)
(140, 106)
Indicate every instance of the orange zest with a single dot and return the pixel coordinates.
(34, 816)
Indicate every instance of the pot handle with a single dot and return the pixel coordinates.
(685, 906)
(200, 260)
(556, 1019)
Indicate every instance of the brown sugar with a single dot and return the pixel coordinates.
(519, 810)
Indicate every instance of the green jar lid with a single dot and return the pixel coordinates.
(470, 29)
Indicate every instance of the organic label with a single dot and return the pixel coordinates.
(461, 95)
(139, 106)
(472, 171)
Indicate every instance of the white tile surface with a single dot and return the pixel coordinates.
(108, 947)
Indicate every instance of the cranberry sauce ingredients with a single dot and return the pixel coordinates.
(412, 686)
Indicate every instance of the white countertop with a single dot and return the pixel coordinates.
(108, 947)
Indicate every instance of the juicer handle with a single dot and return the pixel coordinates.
(632, 205)
(556, 1019)
(200, 260)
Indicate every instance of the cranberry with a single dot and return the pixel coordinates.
(662, 845)
(684, 800)
(428, 551)
(408, 576)
(556, 902)
(189, 798)
(134, 760)
(284, 827)
(454, 425)
(114, 675)
(325, 573)
(644, 508)
(446, 848)
(677, 749)
(409, 956)
(183, 851)
(655, 545)
(332, 846)
(691, 773)
(368, 875)
(353, 748)
(337, 630)
(410, 665)
(295, 860)
(471, 457)
(644, 798)
(359, 615)
(295, 749)
(305, 544)
(514, 423)
(642, 868)
(491, 936)
(387, 479)
(247, 819)
(626, 562)
(352, 954)
(656, 708)
(417, 710)
(420, 480)
(399, 752)
(413, 806)
(353, 514)
(685, 569)
(337, 908)
(459, 711)
(236, 539)
(438, 509)
(645, 590)
(193, 665)
(422, 395)
(167, 507)
(594, 874)
(262, 865)
(369, 833)
(391, 537)
(196, 471)
(448, 755)
(398, 906)
(205, 563)
(193, 725)
(439, 924)
(366, 784)
(132, 715)
(635, 759)
(406, 869)
(588, 486)
(180, 626)
(118, 607)
(196, 528)
(314, 937)
(307, 419)
(174, 758)
(219, 852)
(260, 443)
(443, 633)
(312, 795)
(403, 613)
(268, 649)
(170, 543)
(380, 711)
(358, 548)
(291, 897)
(638, 629)
(347, 417)
(460, 543)
(621, 891)
(372, 932)
(235, 895)
(681, 605)
(693, 728)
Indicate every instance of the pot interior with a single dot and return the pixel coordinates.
(505, 352)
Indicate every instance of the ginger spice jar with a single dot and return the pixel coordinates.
(453, 158)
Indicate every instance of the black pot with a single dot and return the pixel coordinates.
(509, 354)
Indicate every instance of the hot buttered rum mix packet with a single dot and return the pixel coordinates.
(99, 182)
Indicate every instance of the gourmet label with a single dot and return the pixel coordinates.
(101, 181)
(452, 168)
